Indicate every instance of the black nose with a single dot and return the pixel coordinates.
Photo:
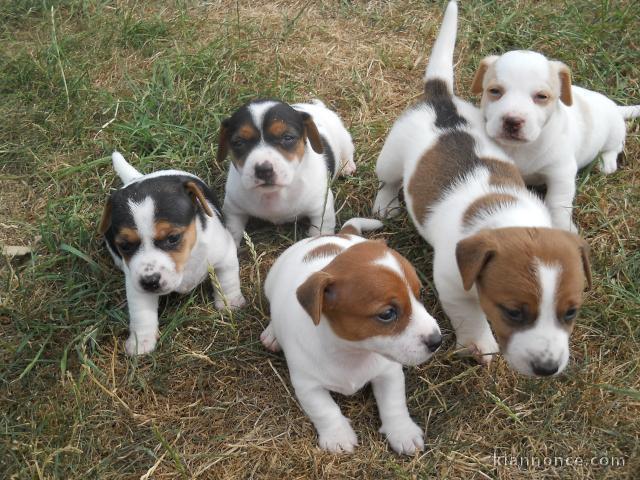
(433, 341)
(545, 369)
(264, 171)
(150, 283)
(513, 124)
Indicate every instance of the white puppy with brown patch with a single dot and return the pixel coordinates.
(163, 231)
(549, 127)
(346, 312)
(283, 158)
(496, 256)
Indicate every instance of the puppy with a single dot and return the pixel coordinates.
(496, 256)
(163, 231)
(346, 312)
(547, 126)
(283, 158)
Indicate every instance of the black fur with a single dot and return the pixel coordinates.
(439, 98)
(329, 157)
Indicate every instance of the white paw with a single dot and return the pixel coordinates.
(404, 436)
(338, 438)
(386, 206)
(608, 166)
(233, 302)
(348, 168)
(269, 340)
(138, 344)
(482, 349)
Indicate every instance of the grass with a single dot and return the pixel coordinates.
(80, 78)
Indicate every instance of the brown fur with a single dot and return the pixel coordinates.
(105, 221)
(181, 254)
(326, 250)
(487, 203)
(198, 197)
(311, 131)
(478, 79)
(565, 82)
(351, 291)
(293, 155)
(129, 235)
(277, 128)
(502, 265)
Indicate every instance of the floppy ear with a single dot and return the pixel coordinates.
(223, 141)
(105, 221)
(472, 255)
(311, 131)
(565, 82)
(198, 197)
(311, 294)
(583, 246)
(476, 85)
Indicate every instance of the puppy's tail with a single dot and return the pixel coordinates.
(632, 111)
(440, 66)
(356, 226)
(125, 171)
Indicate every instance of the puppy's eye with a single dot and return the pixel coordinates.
(541, 97)
(238, 142)
(288, 139)
(570, 314)
(173, 239)
(127, 247)
(388, 316)
(495, 92)
(514, 315)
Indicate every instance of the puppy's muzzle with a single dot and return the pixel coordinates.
(433, 341)
(150, 283)
(264, 171)
(512, 125)
(545, 368)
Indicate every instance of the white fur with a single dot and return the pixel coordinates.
(320, 362)
(443, 227)
(214, 248)
(302, 187)
(555, 139)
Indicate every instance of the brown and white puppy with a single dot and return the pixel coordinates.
(549, 127)
(283, 160)
(346, 312)
(496, 256)
(164, 232)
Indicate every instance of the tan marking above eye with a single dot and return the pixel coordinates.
(128, 235)
(248, 132)
(277, 128)
(163, 229)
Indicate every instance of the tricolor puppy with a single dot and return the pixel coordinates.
(346, 312)
(547, 126)
(496, 256)
(283, 158)
(163, 231)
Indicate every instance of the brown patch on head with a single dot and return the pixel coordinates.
(277, 128)
(353, 290)
(485, 204)
(124, 239)
(503, 264)
(322, 251)
(485, 70)
(452, 156)
(178, 251)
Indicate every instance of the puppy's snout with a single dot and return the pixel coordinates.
(150, 283)
(544, 368)
(433, 341)
(512, 124)
(264, 171)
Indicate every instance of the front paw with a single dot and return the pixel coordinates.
(404, 436)
(482, 349)
(232, 302)
(338, 438)
(139, 344)
(269, 340)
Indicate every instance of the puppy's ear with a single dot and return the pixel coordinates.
(311, 294)
(564, 74)
(223, 141)
(472, 255)
(311, 132)
(105, 221)
(195, 192)
(584, 249)
(476, 85)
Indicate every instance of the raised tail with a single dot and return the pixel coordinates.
(632, 111)
(125, 171)
(440, 65)
(356, 226)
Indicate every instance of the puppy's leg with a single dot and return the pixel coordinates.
(334, 430)
(143, 321)
(323, 221)
(269, 340)
(613, 146)
(235, 223)
(347, 165)
(403, 435)
(227, 272)
(389, 170)
(561, 189)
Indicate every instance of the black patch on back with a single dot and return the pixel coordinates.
(329, 157)
(438, 97)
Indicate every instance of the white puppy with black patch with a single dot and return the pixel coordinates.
(498, 265)
(163, 231)
(549, 127)
(283, 159)
(346, 312)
